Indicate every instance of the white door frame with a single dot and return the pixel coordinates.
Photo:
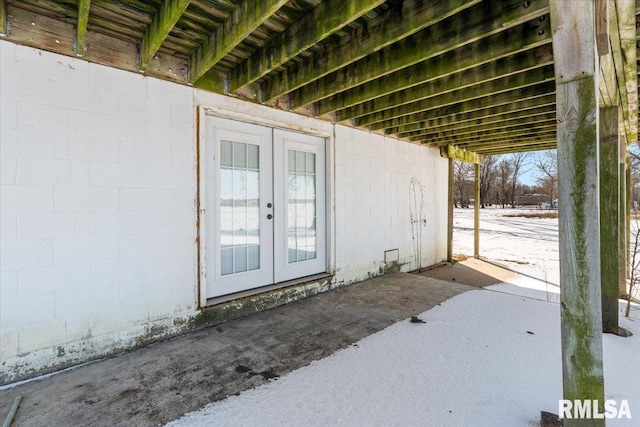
(265, 116)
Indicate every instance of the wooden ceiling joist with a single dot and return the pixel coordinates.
(163, 22)
(474, 46)
(496, 73)
(81, 31)
(386, 29)
(531, 78)
(495, 136)
(3, 17)
(248, 16)
(498, 114)
(324, 20)
(461, 132)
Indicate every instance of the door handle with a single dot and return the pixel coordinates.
(269, 205)
(269, 216)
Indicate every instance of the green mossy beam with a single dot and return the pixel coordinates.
(480, 106)
(574, 46)
(248, 16)
(460, 154)
(163, 22)
(524, 131)
(518, 81)
(495, 126)
(484, 73)
(473, 34)
(500, 114)
(81, 30)
(395, 24)
(325, 19)
(3, 17)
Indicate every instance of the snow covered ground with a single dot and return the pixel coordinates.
(483, 358)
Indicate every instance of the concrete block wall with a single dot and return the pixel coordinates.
(97, 207)
(97, 230)
(390, 195)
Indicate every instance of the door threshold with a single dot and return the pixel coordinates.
(258, 292)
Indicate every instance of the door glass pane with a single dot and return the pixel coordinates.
(301, 209)
(240, 207)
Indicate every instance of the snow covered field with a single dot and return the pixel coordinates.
(483, 358)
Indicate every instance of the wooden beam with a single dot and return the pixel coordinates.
(609, 214)
(499, 114)
(479, 106)
(628, 87)
(450, 211)
(395, 24)
(402, 89)
(476, 32)
(81, 29)
(495, 126)
(523, 149)
(163, 22)
(507, 85)
(624, 211)
(580, 292)
(476, 211)
(3, 17)
(523, 132)
(460, 154)
(248, 16)
(325, 19)
(541, 138)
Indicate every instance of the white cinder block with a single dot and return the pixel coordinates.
(53, 279)
(8, 140)
(155, 199)
(20, 311)
(139, 153)
(36, 143)
(51, 65)
(168, 92)
(7, 55)
(171, 135)
(171, 177)
(45, 225)
(77, 326)
(73, 302)
(40, 116)
(88, 147)
(83, 199)
(8, 343)
(182, 157)
(110, 272)
(158, 111)
(8, 284)
(9, 168)
(14, 198)
(8, 110)
(183, 115)
(37, 335)
(112, 223)
(35, 171)
(84, 249)
(117, 175)
(179, 221)
(74, 95)
(114, 80)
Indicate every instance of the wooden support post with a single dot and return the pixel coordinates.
(609, 215)
(476, 212)
(450, 212)
(163, 22)
(574, 41)
(627, 210)
(623, 223)
(81, 31)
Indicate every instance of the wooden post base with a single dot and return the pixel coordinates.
(621, 332)
(547, 419)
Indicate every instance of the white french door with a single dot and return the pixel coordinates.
(264, 206)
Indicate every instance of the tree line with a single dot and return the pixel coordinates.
(500, 180)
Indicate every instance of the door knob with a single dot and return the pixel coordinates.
(269, 205)
(269, 216)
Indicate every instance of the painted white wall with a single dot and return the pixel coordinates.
(97, 205)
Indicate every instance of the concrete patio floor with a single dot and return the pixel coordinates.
(159, 383)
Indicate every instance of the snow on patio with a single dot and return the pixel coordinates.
(483, 358)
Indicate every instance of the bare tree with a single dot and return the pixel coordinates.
(461, 181)
(547, 165)
(518, 163)
(634, 265)
(504, 180)
(488, 176)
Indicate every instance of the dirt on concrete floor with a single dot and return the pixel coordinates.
(159, 383)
